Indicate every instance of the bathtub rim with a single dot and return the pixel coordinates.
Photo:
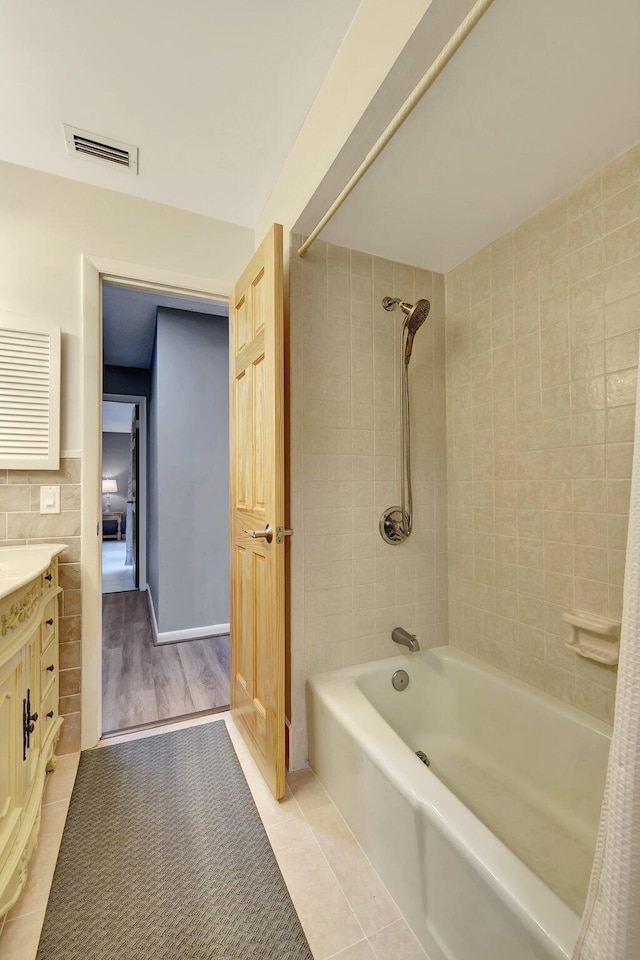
(541, 911)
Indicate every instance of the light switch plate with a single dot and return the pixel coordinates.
(49, 499)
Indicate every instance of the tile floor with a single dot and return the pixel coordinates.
(344, 908)
(115, 576)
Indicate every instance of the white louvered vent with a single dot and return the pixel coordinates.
(29, 400)
(103, 149)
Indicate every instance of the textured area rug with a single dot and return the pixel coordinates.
(164, 856)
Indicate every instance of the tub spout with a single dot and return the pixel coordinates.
(400, 635)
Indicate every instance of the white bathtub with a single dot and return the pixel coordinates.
(487, 851)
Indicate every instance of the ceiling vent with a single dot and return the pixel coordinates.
(102, 149)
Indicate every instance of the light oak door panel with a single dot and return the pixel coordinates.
(257, 504)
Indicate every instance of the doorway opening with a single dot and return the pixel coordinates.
(165, 538)
(124, 444)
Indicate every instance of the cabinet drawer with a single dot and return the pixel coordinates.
(49, 712)
(49, 623)
(48, 669)
(50, 576)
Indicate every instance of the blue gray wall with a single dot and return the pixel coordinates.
(131, 381)
(153, 552)
(189, 471)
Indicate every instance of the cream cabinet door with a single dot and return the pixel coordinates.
(31, 691)
(11, 765)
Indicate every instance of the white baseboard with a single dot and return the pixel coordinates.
(152, 615)
(192, 633)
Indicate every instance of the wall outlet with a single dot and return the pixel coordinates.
(49, 499)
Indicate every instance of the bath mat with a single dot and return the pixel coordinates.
(164, 857)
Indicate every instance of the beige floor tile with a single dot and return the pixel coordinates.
(396, 943)
(307, 789)
(271, 811)
(60, 783)
(367, 895)
(325, 915)
(19, 938)
(43, 861)
(359, 951)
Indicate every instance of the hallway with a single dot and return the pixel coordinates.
(143, 683)
(116, 576)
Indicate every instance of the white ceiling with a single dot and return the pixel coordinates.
(116, 416)
(212, 93)
(129, 319)
(542, 94)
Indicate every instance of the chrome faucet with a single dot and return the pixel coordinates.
(400, 635)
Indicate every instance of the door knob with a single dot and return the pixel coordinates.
(266, 534)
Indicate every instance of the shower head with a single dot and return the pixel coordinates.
(416, 315)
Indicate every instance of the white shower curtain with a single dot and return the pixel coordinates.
(610, 927)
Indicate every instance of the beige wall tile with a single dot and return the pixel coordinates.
(22, 523)
(621, 172)
(69, 741)
(345, 438)
(575, 316)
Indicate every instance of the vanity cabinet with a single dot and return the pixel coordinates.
(29, 721)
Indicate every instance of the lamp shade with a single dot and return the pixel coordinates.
(109, 486)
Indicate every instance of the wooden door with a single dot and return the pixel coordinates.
(256, 351)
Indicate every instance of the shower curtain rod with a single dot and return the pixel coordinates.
(412, 101)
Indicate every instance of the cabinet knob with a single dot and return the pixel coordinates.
(50, 714)
(51, 668)
(48, 576)
(49, 622)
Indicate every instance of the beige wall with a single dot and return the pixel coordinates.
(48, 223)
(542, 351)
(349, 588)
(20, 523)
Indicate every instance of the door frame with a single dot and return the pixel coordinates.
(141, 481)
(95, 270)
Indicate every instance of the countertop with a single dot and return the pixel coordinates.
(19, 565)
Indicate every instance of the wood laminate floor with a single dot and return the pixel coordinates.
(142, 683)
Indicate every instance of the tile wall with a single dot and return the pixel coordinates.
(20, 523)
(348, 588)
(542, 353)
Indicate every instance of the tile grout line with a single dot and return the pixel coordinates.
(370, 864)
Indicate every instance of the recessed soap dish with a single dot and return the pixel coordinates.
(593, 637)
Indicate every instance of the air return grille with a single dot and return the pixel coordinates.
(29, 400)
(102, 149)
